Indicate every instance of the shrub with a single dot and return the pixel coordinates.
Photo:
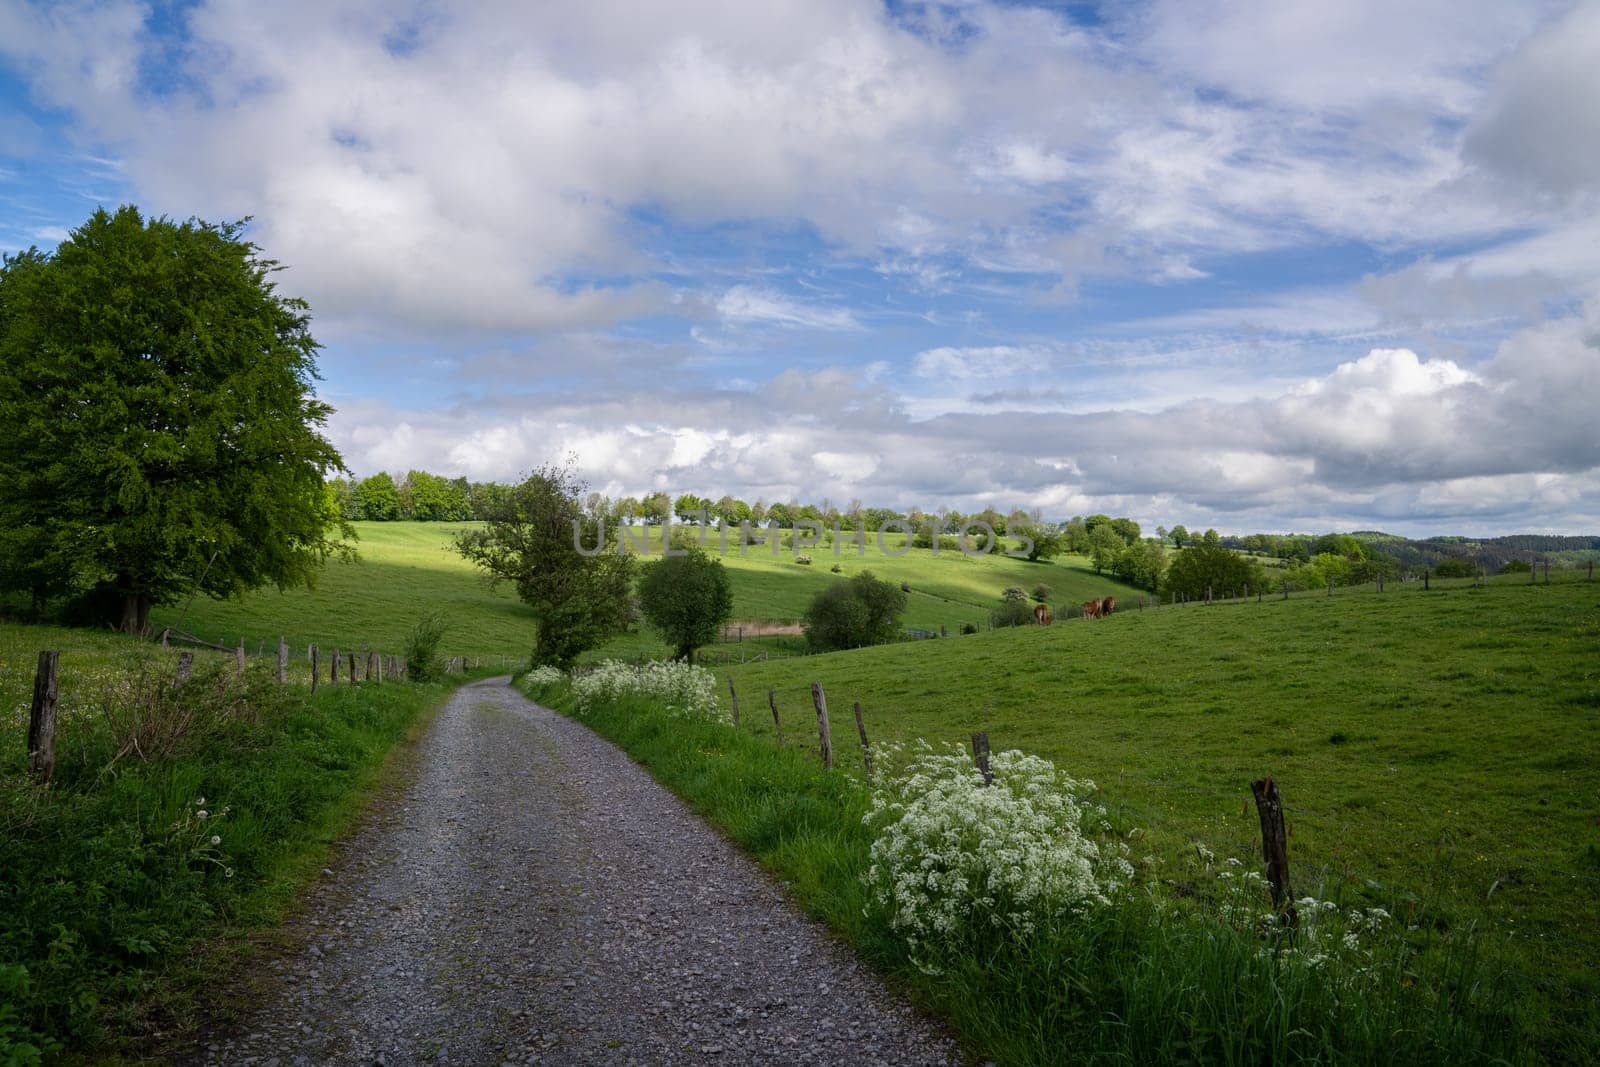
(1011, 613)
(905, 587)
(1515, 566)
(1014, 592)
(969, 627)
(1041, 593)
(854, 613)
(836, 569)
(423, 663)
(681, 688)
(954, 860)
(1454, 568)
(803, 560)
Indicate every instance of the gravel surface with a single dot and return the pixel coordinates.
(535, 897)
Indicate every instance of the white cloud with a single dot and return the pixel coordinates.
(981, 363)
(749, 305)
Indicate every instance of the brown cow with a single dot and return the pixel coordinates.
(1042, 616)
(1106, 605)
(1091, 609)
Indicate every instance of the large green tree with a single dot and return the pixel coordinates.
(687, 599)
(162, 433)
(538, 537)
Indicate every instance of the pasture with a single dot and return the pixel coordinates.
(1438, 752)
(406, 568)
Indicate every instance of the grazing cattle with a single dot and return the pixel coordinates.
(1091, 609)
(1042, 616)
(1106, 605)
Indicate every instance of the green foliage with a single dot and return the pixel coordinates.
(1142, 564)
(423, 662)
(1516, 566)
(1179, 535)
(1015, 594)
(1209, 566)
(1454, 568)
(1011, 612)
(126, 884)
(969, 628)
(1105, 545)
(1041, 593)
(163, 429)
(687, 599)
(854, 613)
(378, 498)
(532, 540)
(429, 498)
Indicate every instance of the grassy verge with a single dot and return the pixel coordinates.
(180, 824)
(1162, 974)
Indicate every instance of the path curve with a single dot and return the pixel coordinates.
(535, 897)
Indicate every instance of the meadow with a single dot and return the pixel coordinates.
(406, 568)
(1438, 751)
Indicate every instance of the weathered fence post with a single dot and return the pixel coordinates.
(377, 662)
(333, 668)
(42, 719)
(283, 660)
(866, 749)
(735, 698)
(352, 672)
(777, 723)
(311, 654)
(1286, 589)
(1275, 847)
(980, 756)
(239, 656)
(824, 735)
(1591, 570)
(1427, 573)
(185, 668)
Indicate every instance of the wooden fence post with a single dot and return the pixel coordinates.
(1591, 570)
(377, 663)
(42, 719)
(777, 723)
(1275, 847)
(311, 654)
(239, 656)
(333, 668)
(980, 756)
(732, 695)
(185, 668)
(866, 749)
(824, 735)
(283, 660)
(1427, 573)
(352, 671)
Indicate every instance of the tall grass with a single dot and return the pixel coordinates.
(177, 819)
(1165, 973)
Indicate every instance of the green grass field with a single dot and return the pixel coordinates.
(1439, 752)
(406, 568)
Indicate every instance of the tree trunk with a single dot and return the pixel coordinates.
(135, 615)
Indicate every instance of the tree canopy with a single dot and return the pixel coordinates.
(854, 613)
(162, 430)
(531, 539)
(687, 599)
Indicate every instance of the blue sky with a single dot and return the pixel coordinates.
(1219, 262)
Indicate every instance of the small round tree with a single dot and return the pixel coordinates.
(855, 613)
(687, 599)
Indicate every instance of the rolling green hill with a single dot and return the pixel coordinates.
(1439, 752)
(407, 568)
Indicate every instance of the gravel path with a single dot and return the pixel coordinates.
(535, 897)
